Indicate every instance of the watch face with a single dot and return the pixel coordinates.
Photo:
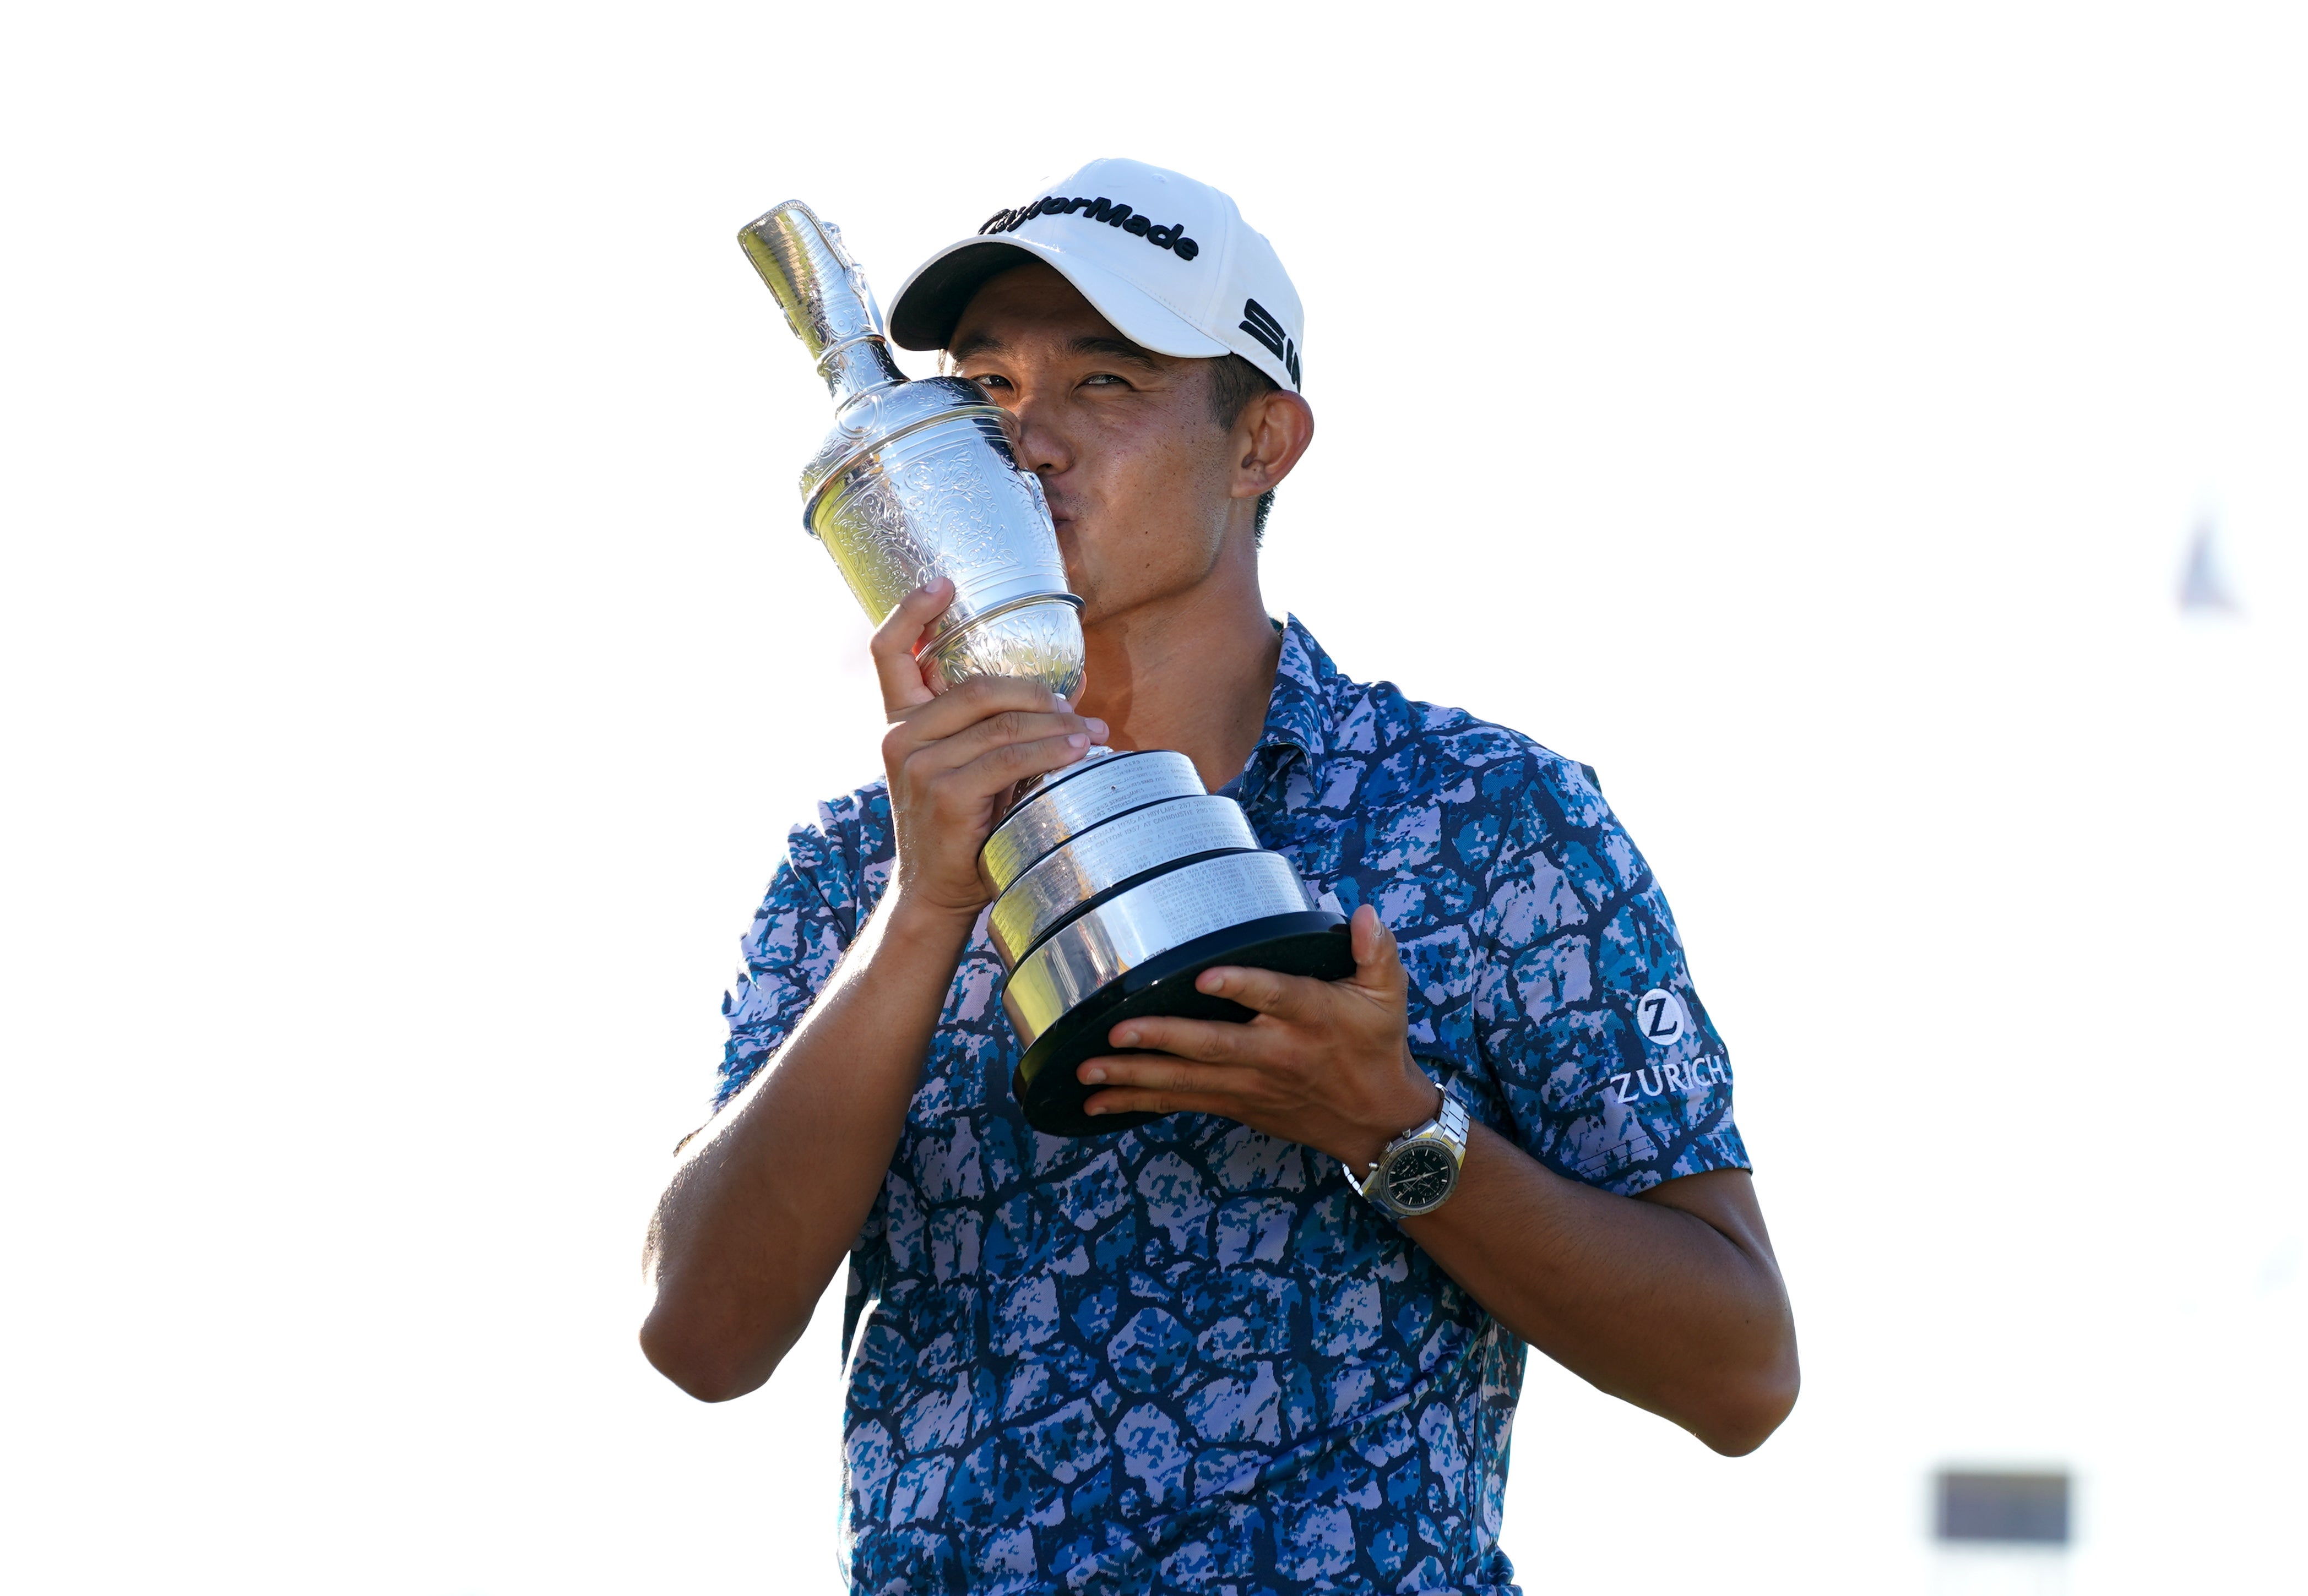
(1420, 1177)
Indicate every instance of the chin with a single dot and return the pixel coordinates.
(1079, 581)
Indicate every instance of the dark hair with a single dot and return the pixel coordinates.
(1233, 383)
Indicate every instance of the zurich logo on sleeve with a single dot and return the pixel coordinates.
(1663, 1021)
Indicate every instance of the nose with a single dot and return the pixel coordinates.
(1036, 436)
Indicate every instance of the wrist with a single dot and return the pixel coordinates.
(1417, 1171)
(909, 917)
(1415, 1100)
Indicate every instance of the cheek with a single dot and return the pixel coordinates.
(1162, 471)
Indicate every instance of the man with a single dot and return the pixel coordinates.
(1189, 1356)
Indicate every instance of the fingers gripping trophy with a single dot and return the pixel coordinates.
(1117, 880)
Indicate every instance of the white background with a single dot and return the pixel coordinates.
(412, 661)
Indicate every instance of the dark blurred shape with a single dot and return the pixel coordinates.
(2032, 1508)
(2204, 584)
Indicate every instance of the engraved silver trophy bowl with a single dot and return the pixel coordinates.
(1117, 881)
(916, 480)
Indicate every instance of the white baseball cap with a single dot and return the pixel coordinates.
(1167, 260)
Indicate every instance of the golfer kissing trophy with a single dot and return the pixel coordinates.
(1117, 879)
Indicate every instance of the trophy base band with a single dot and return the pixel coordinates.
(1312, 943)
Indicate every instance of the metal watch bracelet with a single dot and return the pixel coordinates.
(1419, 1171)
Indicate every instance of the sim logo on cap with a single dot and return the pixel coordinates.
(1259, 322)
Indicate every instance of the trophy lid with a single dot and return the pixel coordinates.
(824, 296)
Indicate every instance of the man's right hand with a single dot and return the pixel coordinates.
(769, 1197)
(954, 759)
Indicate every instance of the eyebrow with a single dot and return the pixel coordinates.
(977, 343)
(1119, 349)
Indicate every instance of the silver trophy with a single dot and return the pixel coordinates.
(1117, 879)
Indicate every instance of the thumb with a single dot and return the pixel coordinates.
(902, 687)
(1378, 961)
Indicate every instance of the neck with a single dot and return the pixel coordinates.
(1191, 673)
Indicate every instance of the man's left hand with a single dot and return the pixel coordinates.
(1323, 1063)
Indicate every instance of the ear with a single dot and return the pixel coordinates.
(1271, 433)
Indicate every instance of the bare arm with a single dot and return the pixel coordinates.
(765, 1202)
(1672, 1302)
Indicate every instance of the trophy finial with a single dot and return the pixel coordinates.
(824, 297)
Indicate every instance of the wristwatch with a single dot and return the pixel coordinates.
(1419, 1169)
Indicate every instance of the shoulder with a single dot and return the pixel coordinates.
(1403, 750)
(1501, 807)
(844, 857)
(1391, 747)
(855, 825)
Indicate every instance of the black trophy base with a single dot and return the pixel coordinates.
(1313, 944)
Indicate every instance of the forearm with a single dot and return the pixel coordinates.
(1681, 1314)
(766, 1202)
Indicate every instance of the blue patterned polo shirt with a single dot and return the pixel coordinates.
(1186, 1357)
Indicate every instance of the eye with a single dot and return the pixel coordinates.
(1103, 379)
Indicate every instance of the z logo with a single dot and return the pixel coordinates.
(1659, 1016)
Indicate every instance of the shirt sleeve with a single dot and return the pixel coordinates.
(1605, 1065)
(798, 937)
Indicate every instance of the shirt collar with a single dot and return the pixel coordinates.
(1298, 714)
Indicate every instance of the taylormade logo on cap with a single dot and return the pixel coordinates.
(1100, 209)
(1167, 260)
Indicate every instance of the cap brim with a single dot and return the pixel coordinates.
(930, 303)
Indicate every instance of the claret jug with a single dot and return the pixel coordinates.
(917, 479)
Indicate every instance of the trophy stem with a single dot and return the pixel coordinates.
(852, 367)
